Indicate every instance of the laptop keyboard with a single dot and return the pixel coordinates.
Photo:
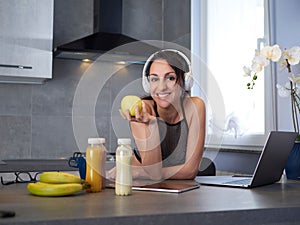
(241, 181)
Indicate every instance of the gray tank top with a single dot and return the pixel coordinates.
(173, 138)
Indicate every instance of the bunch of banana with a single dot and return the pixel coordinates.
(57, 184)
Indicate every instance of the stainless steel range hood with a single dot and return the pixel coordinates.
(95, 45)
(108, 40)
(110, 47)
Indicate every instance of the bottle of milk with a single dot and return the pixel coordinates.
(123, 185)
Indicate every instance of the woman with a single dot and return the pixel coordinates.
(170, 130)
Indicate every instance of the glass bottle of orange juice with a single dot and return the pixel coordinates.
(94, 164)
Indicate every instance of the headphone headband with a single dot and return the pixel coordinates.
(188, 78)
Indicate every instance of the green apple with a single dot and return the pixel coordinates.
(129, 102)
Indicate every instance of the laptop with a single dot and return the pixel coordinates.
(269, 167)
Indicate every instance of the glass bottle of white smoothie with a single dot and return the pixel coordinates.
(94, 164)
(123, 184)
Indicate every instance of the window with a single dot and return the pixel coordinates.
(225, 34)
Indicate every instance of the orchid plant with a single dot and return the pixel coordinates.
(286, 58)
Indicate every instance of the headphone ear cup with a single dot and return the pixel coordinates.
(145, 83)
(188, 81)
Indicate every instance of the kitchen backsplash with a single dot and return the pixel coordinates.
(36, 120)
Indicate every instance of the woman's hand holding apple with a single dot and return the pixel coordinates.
(134, 109)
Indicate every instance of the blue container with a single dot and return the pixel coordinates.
(78, 161)
(292, 168)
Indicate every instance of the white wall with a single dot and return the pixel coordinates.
(285, 23)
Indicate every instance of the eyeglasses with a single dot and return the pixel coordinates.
(22, 177)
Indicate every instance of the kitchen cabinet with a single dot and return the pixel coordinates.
(26, 40)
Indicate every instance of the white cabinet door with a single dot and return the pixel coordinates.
(26, 40)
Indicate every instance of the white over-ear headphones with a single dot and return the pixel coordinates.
(188, 77)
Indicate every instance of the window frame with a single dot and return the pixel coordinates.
(198, 52)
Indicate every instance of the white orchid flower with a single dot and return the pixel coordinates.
(283, 91)
(271, 52)
(292, 55)
(247, 71)
(282, 64)
(259, 62)
(296, 83)
(295, 80)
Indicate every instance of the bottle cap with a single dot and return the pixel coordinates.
(124, 141)
(102, 140)
(96, 141)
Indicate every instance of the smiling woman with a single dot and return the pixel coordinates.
(170, 130)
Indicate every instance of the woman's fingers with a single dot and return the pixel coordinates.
(146, 119)
(145, 114)
(138, 115)
(125, 116)
(144, 107)
(112, 173)
(122, 114)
